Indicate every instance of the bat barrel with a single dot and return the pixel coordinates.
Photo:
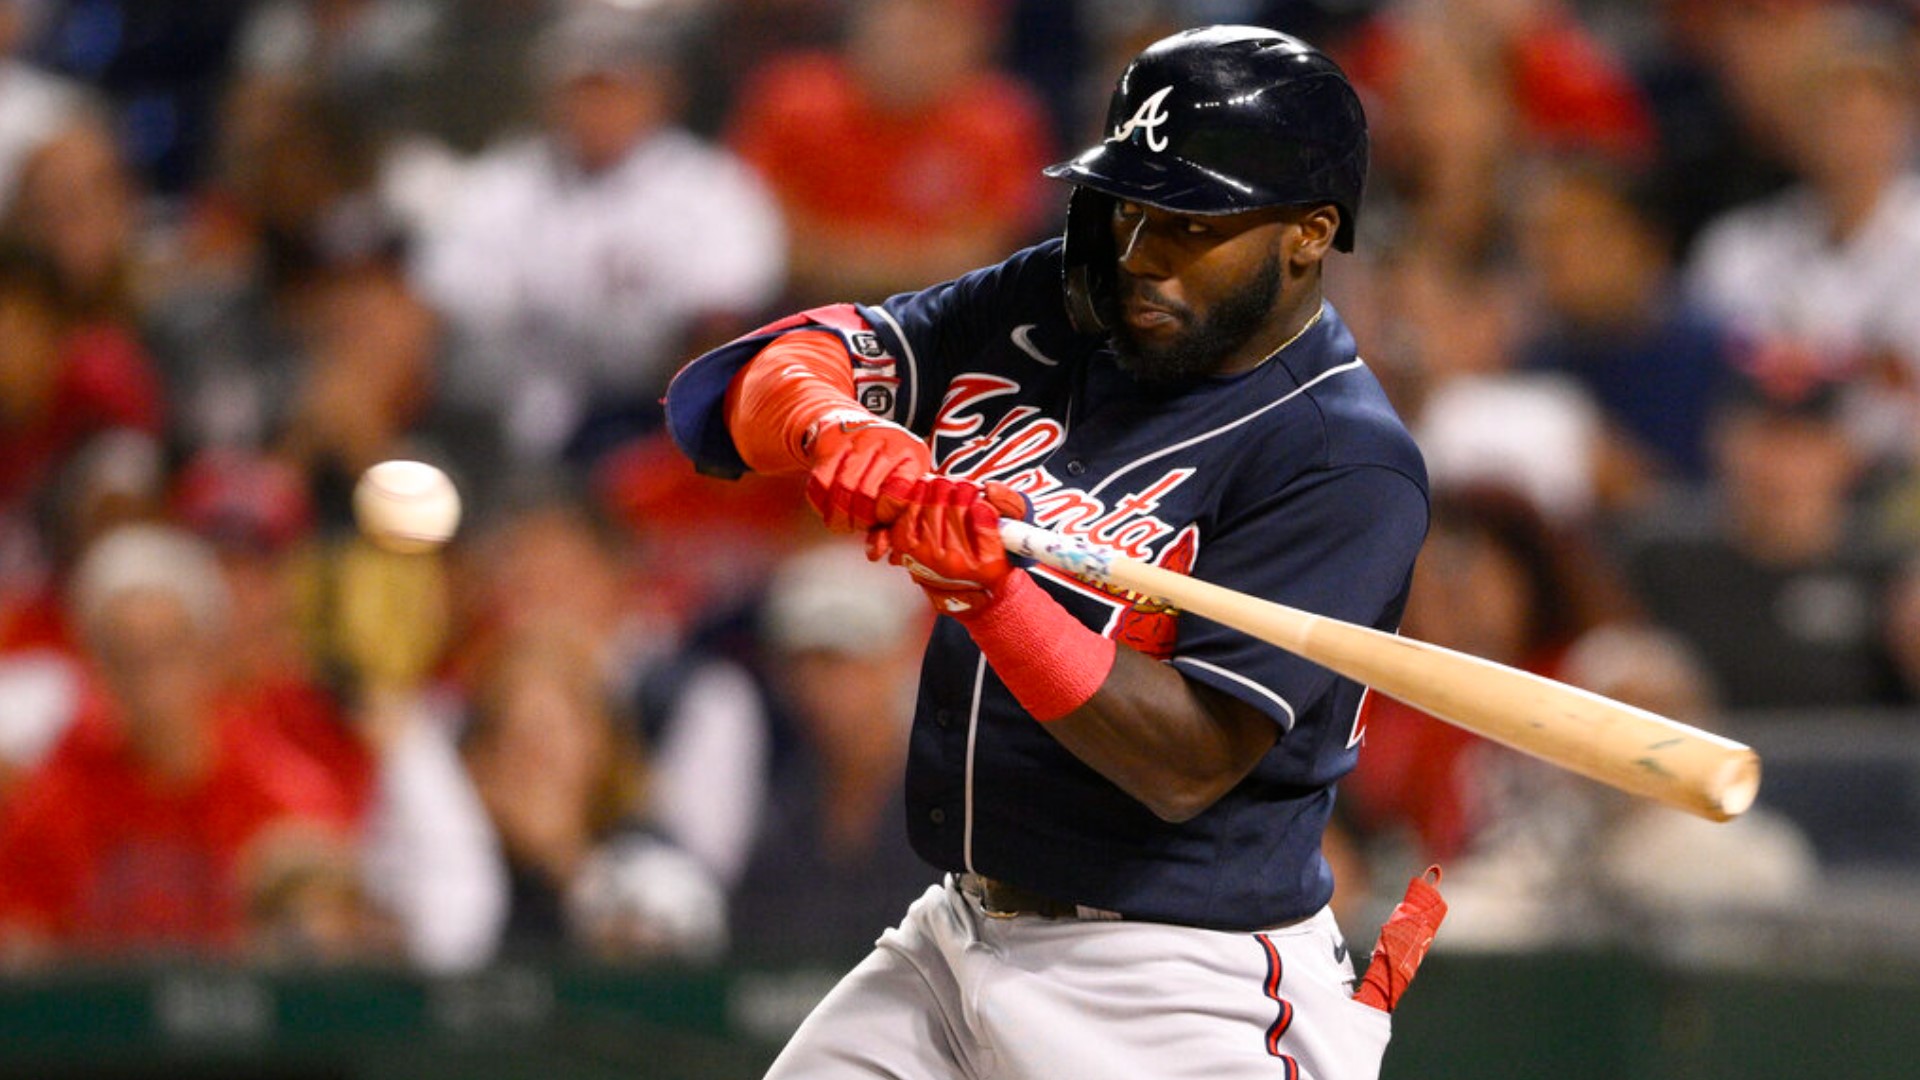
(1734, 785)
(1627, 748)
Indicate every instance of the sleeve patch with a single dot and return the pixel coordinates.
(866, 347)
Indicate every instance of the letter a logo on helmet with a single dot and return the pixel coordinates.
(1147, 118)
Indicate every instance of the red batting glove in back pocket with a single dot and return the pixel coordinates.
(1403, 944)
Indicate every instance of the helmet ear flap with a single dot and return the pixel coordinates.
(1089, 258)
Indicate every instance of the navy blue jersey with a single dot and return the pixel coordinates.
(1294, 481)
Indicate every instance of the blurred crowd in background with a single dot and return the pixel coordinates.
(1641, 276)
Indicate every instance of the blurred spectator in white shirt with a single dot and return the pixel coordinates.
(34, 104)
(578, 266)
(1821, 275)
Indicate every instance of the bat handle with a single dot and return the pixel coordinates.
(1064, 553)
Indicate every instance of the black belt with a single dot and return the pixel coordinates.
(1005, 900)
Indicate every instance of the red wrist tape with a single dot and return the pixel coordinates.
(1051, 662)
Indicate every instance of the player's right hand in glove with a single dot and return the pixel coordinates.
(947, 535)
(858, 463)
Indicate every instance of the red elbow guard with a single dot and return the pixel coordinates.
(1050, 661)
(776, 398)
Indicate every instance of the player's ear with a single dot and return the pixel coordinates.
(1312, 234)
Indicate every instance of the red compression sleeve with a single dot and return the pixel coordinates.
(1050, 661)
(782, 393)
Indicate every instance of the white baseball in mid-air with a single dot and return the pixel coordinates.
(406, 506)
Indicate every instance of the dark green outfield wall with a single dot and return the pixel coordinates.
(1565, 1016)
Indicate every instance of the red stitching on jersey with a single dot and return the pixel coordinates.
(1283, 1021)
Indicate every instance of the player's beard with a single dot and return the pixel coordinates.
(1204, 343)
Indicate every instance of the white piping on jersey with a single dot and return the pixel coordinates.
(1243, 681)
(913, 366)
(1226, 427)
(973, 735)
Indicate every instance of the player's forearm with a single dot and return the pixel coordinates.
(774, 401)
(1174, 745)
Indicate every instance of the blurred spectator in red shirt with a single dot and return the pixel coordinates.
(114, 478)
(256, 513)
(334, 645)
(80, 416)
(706, 544)
(1568, 88)
(58, 387)
(71, 364)
(903, 158)
(134, 835)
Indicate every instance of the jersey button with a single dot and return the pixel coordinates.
(937, 816)
(943, 717)
(1075, 467)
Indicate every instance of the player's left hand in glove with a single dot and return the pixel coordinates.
(947, 535)
(856, 460)
(792, 409)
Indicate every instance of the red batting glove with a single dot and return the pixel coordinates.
(1005, 501)
(947, 535)
(1404, 940)
(853, 455)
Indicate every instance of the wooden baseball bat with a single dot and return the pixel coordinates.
(1627, 748)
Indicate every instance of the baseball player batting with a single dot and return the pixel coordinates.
(1128, 803)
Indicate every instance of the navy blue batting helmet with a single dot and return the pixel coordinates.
(1221, 120)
